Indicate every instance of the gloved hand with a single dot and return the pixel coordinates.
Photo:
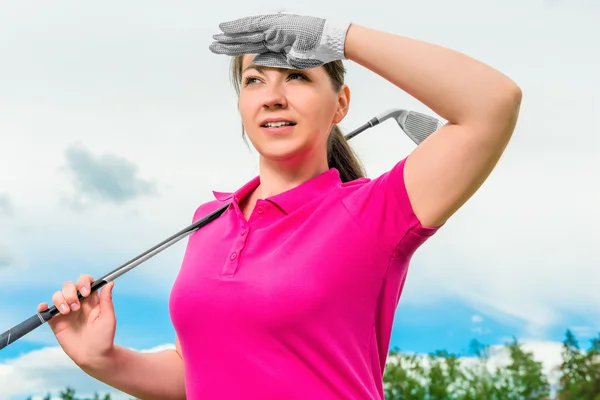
(283, 40)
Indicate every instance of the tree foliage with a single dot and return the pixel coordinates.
(444, 376)
(580, 370)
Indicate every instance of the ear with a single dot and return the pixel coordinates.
(343, 104)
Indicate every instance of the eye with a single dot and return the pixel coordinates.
(250, 80)
(297, 75)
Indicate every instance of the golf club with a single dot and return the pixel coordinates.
(417, 127)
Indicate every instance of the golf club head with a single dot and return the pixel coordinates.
(416, 125)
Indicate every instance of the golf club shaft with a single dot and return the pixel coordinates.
(40, 318)
(372, 122)
(22, 329)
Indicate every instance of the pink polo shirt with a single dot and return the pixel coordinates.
(297, 302)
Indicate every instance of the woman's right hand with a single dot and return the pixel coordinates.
(85, 330)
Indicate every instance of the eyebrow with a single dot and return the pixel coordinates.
(254, 66)
(261, 69)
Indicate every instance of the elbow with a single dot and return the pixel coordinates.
(512, 106)
(515, 96)
(504, 110)
(506, 115)
(492, 106)
(508, 99)
(497, 117)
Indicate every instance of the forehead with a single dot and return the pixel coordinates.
(248, 59)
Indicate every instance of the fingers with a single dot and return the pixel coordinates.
(70, 295)
(67, 300)
(60, 303)
(249, 24)
(238, 48)
(257, 37)
(42, 307)
(84, 284)
(106, 303)
(277, 60)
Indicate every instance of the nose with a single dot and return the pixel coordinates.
(275, 96)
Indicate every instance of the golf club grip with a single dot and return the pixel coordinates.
(94, 287)
(39, 319)
(18, 331)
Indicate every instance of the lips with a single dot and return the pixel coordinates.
(276, 122)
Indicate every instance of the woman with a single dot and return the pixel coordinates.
(291, 293)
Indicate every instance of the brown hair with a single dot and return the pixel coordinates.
(339, 153)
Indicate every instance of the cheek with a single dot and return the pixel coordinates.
(318, 112)
(247, 110)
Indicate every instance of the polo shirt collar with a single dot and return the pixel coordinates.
(292, 199)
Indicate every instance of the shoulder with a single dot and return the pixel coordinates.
(388, 186)
(207, 208)
(382, 208)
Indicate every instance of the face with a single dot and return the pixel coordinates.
(287, 114)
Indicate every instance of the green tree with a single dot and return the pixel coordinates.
(48, 397)
(580, 370)
(523, 378)
(431, 377)
(571, 371)
(403, 377)
(68, 394)
(480, 380)
(444, 376)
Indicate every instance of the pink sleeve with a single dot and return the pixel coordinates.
(382, 210)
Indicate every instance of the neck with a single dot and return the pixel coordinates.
(277, 177)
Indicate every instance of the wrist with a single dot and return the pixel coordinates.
(350, 42)
(107, 361)
(333, 39)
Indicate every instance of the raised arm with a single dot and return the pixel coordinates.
(480, 104)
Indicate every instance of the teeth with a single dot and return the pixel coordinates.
(277, 124)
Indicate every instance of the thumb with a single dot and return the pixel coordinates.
(106, 303)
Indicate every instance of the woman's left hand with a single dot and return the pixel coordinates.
(283, 40)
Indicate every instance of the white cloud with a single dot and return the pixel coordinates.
(106, 177)
(6, 205)
(546, 352)
(583, 333)
(6, 257)
(481, 331)
(476, 319)
(50, 370)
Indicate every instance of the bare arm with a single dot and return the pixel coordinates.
(480, 104)
(146, 376)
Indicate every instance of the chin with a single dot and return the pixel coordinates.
(279, 155)
(280, 152)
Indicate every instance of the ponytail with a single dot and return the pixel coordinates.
(341, 156)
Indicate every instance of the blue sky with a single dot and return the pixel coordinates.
(117, 122)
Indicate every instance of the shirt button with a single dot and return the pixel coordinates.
(233, 256)
(260, 210)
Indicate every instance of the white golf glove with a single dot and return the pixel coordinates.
(283, 40)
